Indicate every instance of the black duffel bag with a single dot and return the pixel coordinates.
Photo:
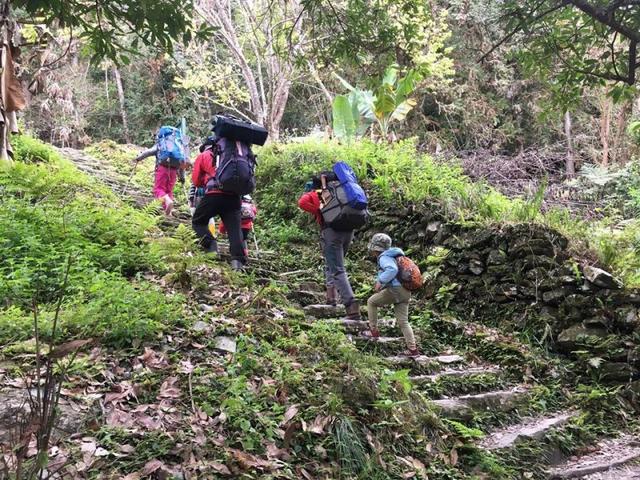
(240, 130)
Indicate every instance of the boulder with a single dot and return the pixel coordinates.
(532, 246)
(568, 339)
(627, 318)
(200, 326)
(476, 267)
(15, 405)
(617, 371)
(496, 257)
(226, 344)
(556, 296)
(601, 278)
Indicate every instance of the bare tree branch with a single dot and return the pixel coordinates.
(603, 16)
(521, 25)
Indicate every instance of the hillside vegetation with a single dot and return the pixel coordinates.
(198, 372)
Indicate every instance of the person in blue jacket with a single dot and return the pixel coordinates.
(389, 291)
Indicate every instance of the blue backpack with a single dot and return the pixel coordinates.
(171, 147)
(356, 197)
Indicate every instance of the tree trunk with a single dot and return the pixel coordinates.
(123, 111)
(619, 149)
(605, 129)
(570, 166)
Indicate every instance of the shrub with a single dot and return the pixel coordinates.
(51, 213)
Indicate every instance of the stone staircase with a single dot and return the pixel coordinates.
(610, 459)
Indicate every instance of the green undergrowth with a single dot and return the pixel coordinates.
(120, 158)
(53, 216)
(395, 175)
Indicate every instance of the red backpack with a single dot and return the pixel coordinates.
(408, 273)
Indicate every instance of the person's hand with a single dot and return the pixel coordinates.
(377, 287)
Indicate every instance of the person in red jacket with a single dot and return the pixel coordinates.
(216, 203)
(248, 212)
(334, 246)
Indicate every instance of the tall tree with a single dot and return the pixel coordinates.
(590, 42)
(256, 36)
(122, 101)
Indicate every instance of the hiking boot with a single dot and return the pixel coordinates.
(353, 311)
(372, 333)
(237, 266)
(332, 295)
(213, 247)
(411, 352)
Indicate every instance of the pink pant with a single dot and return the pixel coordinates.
(165, 181)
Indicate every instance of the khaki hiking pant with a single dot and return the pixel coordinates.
(398, 297)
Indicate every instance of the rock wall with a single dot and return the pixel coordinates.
(523, 277)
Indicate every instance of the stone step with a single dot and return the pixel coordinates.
(611, 454)
(626, 472)
(462, 372)
(527, 429)
(380, 340)
(323, 311)
(403, 360)
(350, 325)
(463, 407)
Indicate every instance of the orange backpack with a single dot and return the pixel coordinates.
(408, 273)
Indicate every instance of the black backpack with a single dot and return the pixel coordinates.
(336, 211)
(235, 168)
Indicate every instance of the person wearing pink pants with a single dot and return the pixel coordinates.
(165, 180)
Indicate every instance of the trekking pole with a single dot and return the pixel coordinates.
(255, 239)
(186, 195)
(126, 185)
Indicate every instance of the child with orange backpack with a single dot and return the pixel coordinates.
(248, 212)
(397, 276)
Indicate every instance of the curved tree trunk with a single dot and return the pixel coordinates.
(570, 165)
(121, 99)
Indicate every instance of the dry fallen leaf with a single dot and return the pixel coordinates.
(123, 391)
(248, 461)
(289, 414)
(153, 360)
(186, 367)
(220, 468)
(151, 467)
(319, 424)
(168, 388)
(279, 453)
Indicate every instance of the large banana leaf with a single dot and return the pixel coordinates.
(385, 102)
(402, 110)
(390, 76)
(345, 118)
(407, 85)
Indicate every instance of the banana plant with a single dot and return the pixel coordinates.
(389, 102)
